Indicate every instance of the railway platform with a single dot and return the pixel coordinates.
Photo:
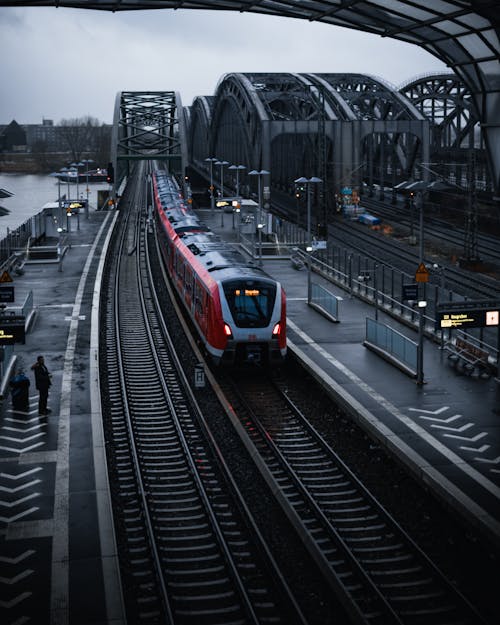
(447, 430)
(58, 558)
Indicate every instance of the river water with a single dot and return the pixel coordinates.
(32, 192)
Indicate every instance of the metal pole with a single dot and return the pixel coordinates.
(309, 285)
(87, 191)
(421, 318)
(212, 203)
(260, 245)
(222, 194)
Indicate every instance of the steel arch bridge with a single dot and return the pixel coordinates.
(455, 129)
(347, 129)
(148, 125)
(464, 34)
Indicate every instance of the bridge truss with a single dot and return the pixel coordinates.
(148, 125)
(347, 129)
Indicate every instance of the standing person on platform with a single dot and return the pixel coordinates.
(42, 383)
(20, 386)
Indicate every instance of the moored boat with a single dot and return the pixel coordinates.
(93, 175)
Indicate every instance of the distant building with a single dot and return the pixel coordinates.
(45, 137)
(45, 134)
(13, 138)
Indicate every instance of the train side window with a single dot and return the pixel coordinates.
(189, 281)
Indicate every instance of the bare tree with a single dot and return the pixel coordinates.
(86, 137)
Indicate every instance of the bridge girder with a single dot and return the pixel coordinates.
(326, 125)
(148, 125)
(445, 100)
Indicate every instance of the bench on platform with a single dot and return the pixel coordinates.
(469, 356)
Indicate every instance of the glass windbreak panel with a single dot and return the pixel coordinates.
(251, 302)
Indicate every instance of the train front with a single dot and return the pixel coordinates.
(254, 313)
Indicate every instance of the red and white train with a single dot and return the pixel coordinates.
(239, 311)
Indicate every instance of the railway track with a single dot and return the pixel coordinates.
(488, 246)
(379, 248)
(376, 570)
(189, 550)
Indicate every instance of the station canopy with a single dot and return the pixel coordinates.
(464, 34)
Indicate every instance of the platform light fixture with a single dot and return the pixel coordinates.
(86, 162)
(237, 168)
(222, 164)
(308, 182)
(211, 160)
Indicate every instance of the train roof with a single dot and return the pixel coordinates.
(215, 255)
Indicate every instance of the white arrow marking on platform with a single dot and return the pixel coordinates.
(35, 420)
(438, 411)
(15, 601)
(17, 578)
(469, 439)
(22, 440)
(479, 450)
(448, 420)
(490, 461)
(464, 427)
(33, 427)
(17, 559)
(20, 475)
(11, 504)
(22, 450)
(14, 411)
(16, 517)
(6, 489)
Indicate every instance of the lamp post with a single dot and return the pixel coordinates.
(309, 248)
(221, 165)
(59, 204)
(259, 227)
(260, 173)
(211, 161)
(237, 168)
(87, 162)
(76, 166)
(65, 171)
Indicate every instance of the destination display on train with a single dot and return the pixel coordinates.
(468, 318)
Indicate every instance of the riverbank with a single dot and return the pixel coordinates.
(28, 163)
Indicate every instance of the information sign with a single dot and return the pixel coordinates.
(410, 292)
(7, 294)
(199, 376)
(422, 274)
(12, 329)
(468, 314)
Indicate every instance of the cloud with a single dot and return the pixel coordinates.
(61, 63)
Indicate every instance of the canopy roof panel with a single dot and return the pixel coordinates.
(464, 34)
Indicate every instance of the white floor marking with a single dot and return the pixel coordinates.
(59, 605)
(459, 462)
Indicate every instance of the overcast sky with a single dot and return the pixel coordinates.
(69, 63)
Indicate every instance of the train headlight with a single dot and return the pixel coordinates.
(227, 330)
(277, 329)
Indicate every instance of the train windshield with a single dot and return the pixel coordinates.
(251, 303)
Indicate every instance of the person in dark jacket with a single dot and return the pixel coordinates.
(19, 390)
(42, 383)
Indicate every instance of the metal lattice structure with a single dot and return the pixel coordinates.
(148, 125)
(464, 34)
(455, 128)
(347, 129)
